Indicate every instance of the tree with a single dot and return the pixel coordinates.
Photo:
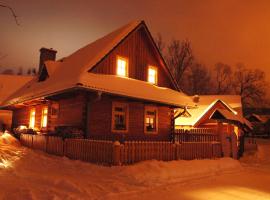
(160, 43)
(250, 84)
(179, 58)
(12, 12)
(20, 71)
(8, 71)
(222, 76)
(196, 80)
(28, 71)
(34, 71)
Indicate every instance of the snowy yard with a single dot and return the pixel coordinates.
(28, 174)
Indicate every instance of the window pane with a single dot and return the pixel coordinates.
(152, 75)
(121, 67)
(32, 118)
(119, 122)
(44, 117)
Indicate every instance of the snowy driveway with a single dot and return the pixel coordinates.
(27, 174)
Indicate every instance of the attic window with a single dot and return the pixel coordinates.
(152, 75)
(122, 66)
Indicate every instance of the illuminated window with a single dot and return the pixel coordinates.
(119, 117)
(150, 119)
(32, 118)
(44, 117)
(122, 67)
(152, 75)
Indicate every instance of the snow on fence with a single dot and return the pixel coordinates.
(89, 150)
(196, 135)
(114, 153)
(132, 152)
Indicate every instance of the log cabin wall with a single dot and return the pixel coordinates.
(139, 51)
(100, 119)
(21, 116)
(71, 113)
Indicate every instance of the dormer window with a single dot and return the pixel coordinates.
(122, 66)
(152, 75)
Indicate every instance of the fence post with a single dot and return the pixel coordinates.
(175, 148)
(234, 146)
(116, 153)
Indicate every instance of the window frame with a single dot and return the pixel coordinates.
(151, 109)
(127, 65)
(156, 75)
(54, 106)
(42, 117)
(32, 119)
(126, 106)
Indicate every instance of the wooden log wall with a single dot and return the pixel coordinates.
(140, 53)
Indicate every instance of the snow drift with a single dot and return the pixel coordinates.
(28, 174)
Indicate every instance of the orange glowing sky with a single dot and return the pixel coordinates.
(230, 31)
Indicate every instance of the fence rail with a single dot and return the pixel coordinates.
(114, 153)
(196, 135)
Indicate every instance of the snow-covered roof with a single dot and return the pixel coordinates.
(205, 104)
(111, 84)
(10, 84)
(74, 72)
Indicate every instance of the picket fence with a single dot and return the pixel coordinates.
(114, 153)
(196, 135)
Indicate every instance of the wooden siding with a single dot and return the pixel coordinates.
(21, 116)
(100, 116)
(97, 116)
(140, 53)
(71, 113)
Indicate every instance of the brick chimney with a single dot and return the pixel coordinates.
(46, 54)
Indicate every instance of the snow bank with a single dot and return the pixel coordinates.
(32, 174)
(153, 173)
(9, 150)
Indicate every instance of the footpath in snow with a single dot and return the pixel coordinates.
(28, 174)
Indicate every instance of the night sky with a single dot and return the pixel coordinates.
(228, 31)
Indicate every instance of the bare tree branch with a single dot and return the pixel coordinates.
(12, 12)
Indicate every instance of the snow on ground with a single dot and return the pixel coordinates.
(35, 175)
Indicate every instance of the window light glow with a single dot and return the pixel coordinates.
(44, 118)
(152, 75)
(122, 67)
(32, 118)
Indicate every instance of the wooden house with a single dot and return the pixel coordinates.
(219, 113)
(211, 109)
(117, 87)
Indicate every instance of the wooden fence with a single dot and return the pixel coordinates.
(196, 135)
(132, 152)
(114, 153)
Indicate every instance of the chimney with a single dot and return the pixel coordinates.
(46, 54)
